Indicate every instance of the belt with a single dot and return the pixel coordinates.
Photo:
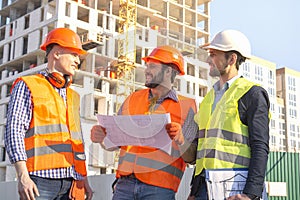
(131, 176)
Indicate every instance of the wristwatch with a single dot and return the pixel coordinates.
(252, 196)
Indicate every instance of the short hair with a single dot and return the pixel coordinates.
(49, 48)
(240, 59)
(174, 70)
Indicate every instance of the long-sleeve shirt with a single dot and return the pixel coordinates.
(189, 128)
(253, 109)
(19, 116)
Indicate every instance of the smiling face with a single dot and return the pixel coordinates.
(154, 73)
(65, 60)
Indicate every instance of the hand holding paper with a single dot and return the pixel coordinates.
(175, 132)
(98, 134)
(137, 130)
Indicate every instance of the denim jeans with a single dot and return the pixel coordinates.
(133, 189)
(52, 189)
(202, 195)
(201, 192)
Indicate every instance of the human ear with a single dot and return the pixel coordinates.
(233, 59)
(56, 55)
(169, 70)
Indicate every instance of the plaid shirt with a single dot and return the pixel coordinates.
(189, 128)
(19, 116)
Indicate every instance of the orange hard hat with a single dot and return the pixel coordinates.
(64, 37)
(167, 54)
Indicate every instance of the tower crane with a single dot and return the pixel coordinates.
(125, 65)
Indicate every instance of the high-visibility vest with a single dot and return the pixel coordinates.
(54, 138)
(223, 138)
(150, 165)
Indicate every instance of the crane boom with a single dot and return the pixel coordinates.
(125, 67)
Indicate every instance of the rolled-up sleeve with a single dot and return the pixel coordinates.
(190, 131)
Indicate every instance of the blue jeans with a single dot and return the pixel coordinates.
(201, 189)
(132, 189)
(202, 195)
(52, 189)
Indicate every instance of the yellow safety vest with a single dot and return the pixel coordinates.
(223, 138)
(151, 165)
(54, 138)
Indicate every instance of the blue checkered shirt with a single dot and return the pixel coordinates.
(19, 116)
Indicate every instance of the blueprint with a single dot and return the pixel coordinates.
(137, 130)
(223, 183)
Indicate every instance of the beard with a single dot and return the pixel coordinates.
(215, 72)
(156, 80)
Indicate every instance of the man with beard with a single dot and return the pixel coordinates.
(147, 173)
(233, 120)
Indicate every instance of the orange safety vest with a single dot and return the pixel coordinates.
(54, 138)
(150, 165)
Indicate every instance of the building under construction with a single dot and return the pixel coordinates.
(117, 34)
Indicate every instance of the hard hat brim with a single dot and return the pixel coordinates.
(79, 51)
(209, 46)
(163, 60)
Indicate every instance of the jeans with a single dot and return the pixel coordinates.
(128, 188)
(202, 194)
(52, 189)
(199, 188)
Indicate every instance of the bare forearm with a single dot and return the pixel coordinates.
(21, 168)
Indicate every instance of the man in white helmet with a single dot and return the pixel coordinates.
(233, 120)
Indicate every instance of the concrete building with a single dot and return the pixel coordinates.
(288, 94)
(24, 25)
(183, 24)
(263, 72)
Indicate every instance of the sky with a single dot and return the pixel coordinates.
(272, 26)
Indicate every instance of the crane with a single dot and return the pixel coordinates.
(123, 69)
(125, 65)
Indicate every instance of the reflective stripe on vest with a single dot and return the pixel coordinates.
(155, 165)
(150, 165)
(223, 139)
(226, 135)
(52, 128)
(54, 137)
(39, 151)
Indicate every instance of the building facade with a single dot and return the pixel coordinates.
(24, 25)
(183, 24)
(288, 94)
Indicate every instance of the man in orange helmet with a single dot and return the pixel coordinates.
(43, 135)
(145, 172)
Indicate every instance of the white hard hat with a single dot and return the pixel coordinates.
(229, 40)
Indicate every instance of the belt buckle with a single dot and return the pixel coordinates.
(131, 175)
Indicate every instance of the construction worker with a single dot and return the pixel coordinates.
(43, 133)
(233, 120)
(144, 172)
